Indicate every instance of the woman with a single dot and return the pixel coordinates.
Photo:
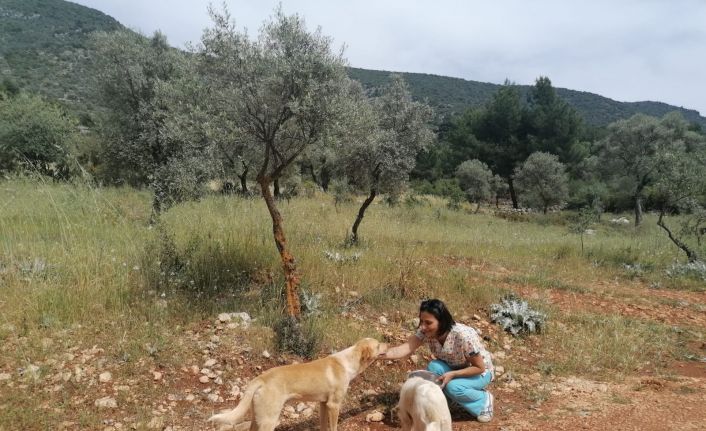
(462, 363)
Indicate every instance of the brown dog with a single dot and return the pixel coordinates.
(325, 380)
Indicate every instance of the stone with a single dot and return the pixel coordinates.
(156, 376)
(499, 370)
(105, 377)
(375, 416)
(266, 354)
(204, 379)
(106, 403)
(383, 320)
(210, 363)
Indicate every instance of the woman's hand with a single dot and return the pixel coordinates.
(445, 378)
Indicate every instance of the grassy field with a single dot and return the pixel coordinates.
(81, 267)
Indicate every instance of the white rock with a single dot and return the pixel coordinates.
(224, 317)
(499, 370)
(266, 354)
(209, 363)
(301, 407)
(204, 379)
(375, 416)
(105, 377)
(383, 320)
(214, 398)
(156, 375)
(106, 403)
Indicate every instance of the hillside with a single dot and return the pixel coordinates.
(43, 48)
(451, 95)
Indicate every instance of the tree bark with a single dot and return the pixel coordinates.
(243, 180)
(690, 254)
(325, 178)
(291, 276)
(638, 210)
(477, 208)
(361, 213)
(276, 188)
(513, 195)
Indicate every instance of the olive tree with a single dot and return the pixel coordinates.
(388, 133)
(543, 180)
(35, 134)
(132, 79)
(681, 188)
(282, 91)
(634, 151)
(476, 180)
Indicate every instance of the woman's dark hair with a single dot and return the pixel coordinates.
(438, 309)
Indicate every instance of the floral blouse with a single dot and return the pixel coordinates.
(461, 343)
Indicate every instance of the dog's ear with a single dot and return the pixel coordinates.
(368, 353)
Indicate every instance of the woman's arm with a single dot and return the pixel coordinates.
(403, 350)
(475, 367)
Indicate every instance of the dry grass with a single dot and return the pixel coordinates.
(81, 266)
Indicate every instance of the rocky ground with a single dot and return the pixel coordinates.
(76, 384)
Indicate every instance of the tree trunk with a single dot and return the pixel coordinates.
(325, 178)
(361, 213)
(513, 195)
(312, 172)
(638, 210)
(291, 277)
(690, 254)
(477, 208)
(243, 180)
(276, 188)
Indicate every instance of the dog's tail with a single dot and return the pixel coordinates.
(237, 415)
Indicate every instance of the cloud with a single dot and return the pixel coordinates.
(629, 50)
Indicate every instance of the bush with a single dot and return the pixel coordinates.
(297, 337)
(516, 317)
(202, 266)
(696, 270)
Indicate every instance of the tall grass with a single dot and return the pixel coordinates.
(77, 255)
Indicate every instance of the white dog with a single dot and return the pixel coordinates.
(423, 406)
(325, 380)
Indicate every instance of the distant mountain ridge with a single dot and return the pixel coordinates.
(43, 48)
(453, 95)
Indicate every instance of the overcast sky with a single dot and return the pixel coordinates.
(628, 50)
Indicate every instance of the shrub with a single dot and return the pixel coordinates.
(516, 317)
(696, 270)
(297, 337)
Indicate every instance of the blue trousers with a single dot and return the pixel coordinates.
(469, 392)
